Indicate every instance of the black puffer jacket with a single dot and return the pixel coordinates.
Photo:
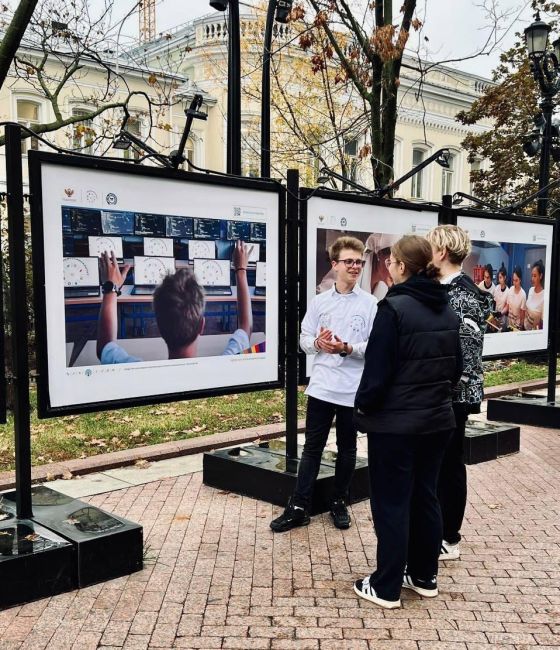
(412, 362)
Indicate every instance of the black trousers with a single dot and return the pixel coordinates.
(403, 472)
(319, 419)
(452, 486)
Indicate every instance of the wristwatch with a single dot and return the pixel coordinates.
(110, 287)
(344, 352)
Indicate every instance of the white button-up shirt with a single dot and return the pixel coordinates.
(350, 316)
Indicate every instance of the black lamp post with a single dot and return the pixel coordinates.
(544, 63)
(281, 9)
(233, 163)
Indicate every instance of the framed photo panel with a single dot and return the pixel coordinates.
(329, 215)
(149, 283)
(511, 259)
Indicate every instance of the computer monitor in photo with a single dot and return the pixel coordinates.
(80, 277)
(100, 245)
(207, 229)
(179, 227)
(237, 230)
(149, 272)
(260, 279)
(214, 276)
(86, 221)
(149, 224)
(202, 249)
(117, 222)
(158, 246)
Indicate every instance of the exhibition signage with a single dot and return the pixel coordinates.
(210, 330)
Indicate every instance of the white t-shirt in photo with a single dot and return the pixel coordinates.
(500, 297)
(535, 308)
(517, 302)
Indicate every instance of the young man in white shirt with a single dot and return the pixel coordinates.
(336, 330)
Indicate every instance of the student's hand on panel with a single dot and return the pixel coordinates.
(241, 254)
(110, 270)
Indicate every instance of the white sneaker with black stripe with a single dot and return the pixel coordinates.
(365, 590)
(427, 588)
(449, 551)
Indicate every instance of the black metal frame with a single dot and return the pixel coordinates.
(36, 159)
(305, 194)
(484, 214)
(3, 385)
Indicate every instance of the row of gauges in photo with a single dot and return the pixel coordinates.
(189, 249)
(82, 278)
(87, 221)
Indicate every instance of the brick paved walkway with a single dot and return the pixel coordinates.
(216, 577)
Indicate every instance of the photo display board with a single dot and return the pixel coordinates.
(512, 260)
(378, 226)
(183, 322)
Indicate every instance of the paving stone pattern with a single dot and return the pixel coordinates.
(216, 576)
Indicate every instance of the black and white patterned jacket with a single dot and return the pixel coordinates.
(472, 306)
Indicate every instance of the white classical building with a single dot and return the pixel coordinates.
(195, 56)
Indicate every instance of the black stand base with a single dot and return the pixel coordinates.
(34, 562)
(534, 410)
(485, 441)
(260, 472)
(104, 546)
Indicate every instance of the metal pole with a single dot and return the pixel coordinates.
(292, 321)
(542, 209)
(265, 91)
(234, 91)
(18, 303)
(544, 167)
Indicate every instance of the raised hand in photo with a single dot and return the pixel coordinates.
(109, 269)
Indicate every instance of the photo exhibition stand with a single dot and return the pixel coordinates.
(49, 543)
(268, 471)
(533, 409)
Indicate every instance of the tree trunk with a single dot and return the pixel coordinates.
(13, 35)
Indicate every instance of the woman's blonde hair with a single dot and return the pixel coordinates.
(416, 254)
(453, 239)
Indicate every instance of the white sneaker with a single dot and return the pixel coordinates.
(427, 588)
(449, 551)
(365, 590)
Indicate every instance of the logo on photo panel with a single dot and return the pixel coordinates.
(111, 198)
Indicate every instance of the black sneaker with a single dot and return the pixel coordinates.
(340, 514)
(292, 517)
(427, 588)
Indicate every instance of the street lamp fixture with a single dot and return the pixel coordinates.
(283, 10)
(219, 5)
(536, 37)
(326, 174)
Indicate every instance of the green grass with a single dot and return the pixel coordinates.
(80, 436)
(516, 371)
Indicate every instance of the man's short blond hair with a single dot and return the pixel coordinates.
(345, 241)
(453, 239)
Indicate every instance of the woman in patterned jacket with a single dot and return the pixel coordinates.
(450, 246)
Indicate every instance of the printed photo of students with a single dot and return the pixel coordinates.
(487, 283)
(516, 301)
(500, 300)
(535, 299)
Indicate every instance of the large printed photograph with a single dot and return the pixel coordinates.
(148, 287)
(153, 286)
(378, 227)
(511, 261)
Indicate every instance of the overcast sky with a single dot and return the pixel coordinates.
(454, 28)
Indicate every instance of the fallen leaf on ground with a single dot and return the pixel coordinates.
(67, 475)
(142, 463)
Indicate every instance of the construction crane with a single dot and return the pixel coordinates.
(147, 15)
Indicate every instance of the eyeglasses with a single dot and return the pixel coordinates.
(349, 263)
(389, 261)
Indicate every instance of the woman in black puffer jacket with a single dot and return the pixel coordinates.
(412, 362)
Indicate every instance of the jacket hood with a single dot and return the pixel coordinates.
(429, 292)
